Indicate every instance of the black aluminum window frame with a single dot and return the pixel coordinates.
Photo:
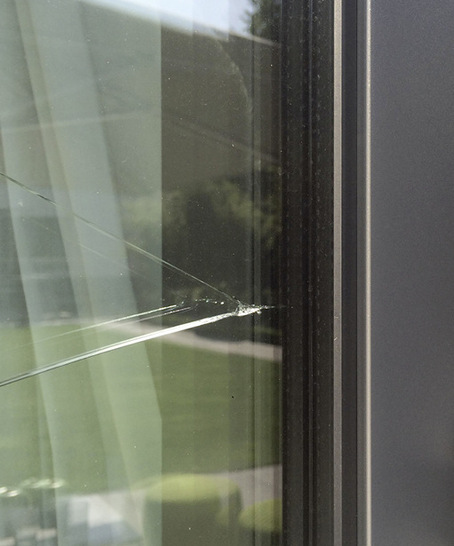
(320, 458)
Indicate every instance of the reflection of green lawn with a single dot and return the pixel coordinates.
(216, 412)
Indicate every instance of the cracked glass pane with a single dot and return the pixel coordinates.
(140, 234)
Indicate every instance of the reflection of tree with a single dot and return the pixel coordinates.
(215, 230)
(220, 232)
(229, 234)
(265, 19)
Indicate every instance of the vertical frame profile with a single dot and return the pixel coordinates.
(312, 272)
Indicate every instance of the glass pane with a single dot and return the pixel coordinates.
(140, 223)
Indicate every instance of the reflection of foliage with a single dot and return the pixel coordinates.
(265, 19)
(224, 232)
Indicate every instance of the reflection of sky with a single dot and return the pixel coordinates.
(222, 15)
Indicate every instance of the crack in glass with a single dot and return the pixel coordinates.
(196, 304)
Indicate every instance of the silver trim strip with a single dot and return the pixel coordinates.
(337, 265)
(364, 275)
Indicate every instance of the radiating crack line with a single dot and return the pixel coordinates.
(145, 315)
(241, 311)
(132, 246)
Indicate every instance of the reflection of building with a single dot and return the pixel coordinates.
(46, 269)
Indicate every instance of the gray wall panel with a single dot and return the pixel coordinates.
(412, 272)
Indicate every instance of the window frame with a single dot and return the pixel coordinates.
(320, 394)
